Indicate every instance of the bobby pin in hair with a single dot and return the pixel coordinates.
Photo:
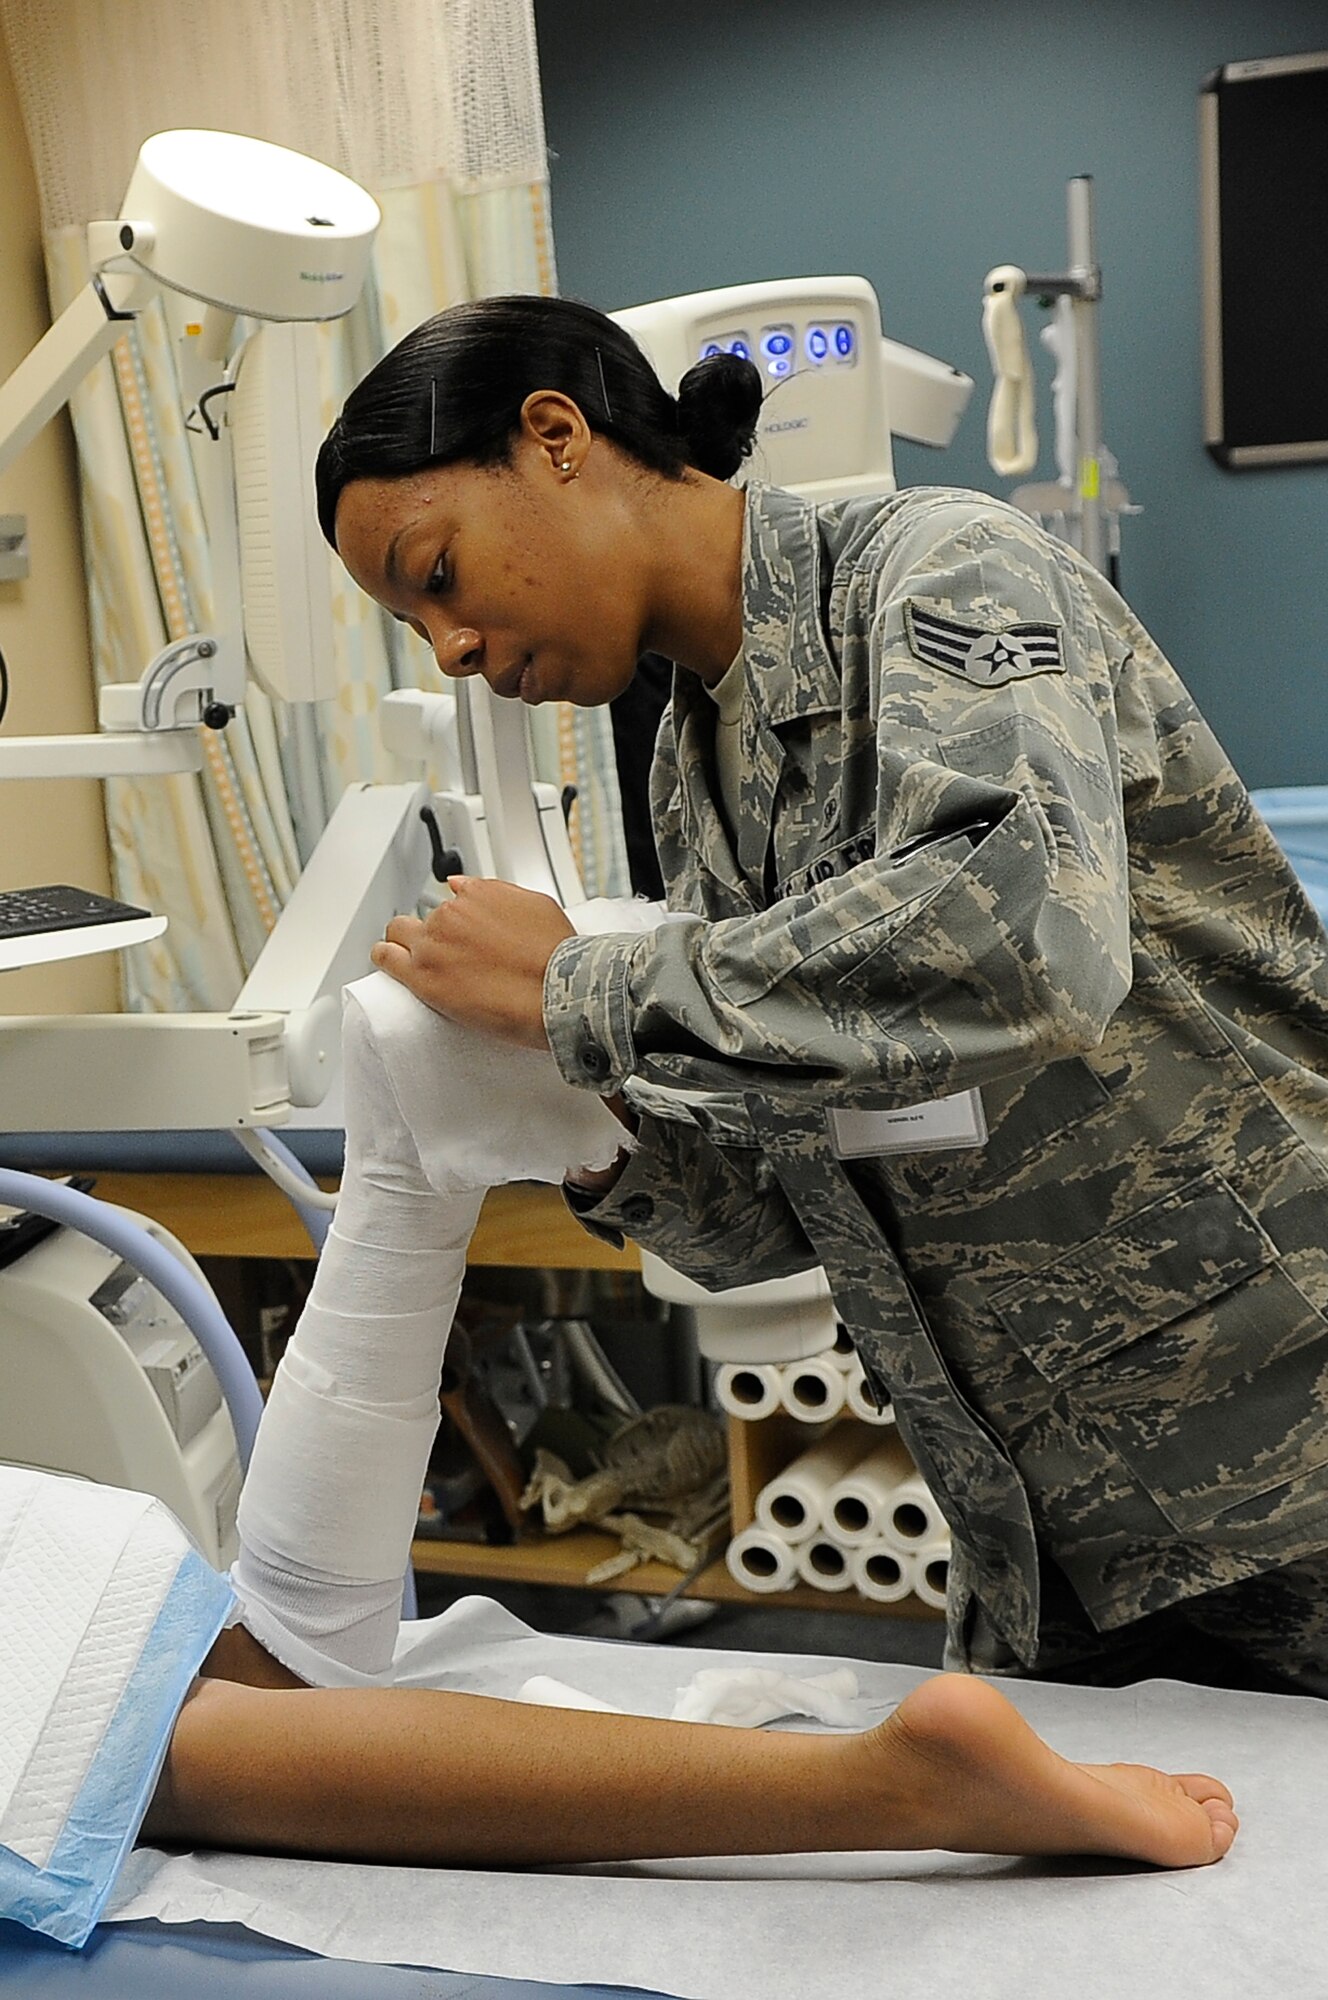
(603, 387)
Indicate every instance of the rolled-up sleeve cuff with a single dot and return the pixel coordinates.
(622, 1210)
(587, 1011)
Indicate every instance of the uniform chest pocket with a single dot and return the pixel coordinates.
(1181, 1335)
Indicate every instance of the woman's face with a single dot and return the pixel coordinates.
(524, 573)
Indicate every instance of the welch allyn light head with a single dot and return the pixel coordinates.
(243, 225)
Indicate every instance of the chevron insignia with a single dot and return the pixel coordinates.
(988, 659)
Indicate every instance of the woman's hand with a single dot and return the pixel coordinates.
(480, 957)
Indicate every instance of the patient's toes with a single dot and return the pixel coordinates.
(1200, 1786)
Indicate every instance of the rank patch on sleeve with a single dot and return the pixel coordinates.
(988, 659)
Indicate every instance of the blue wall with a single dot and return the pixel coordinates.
(919, 142)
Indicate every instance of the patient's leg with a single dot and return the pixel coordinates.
(331, 1498)
(410, 1775)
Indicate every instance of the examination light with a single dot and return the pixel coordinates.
(233, 222)
(248, 230)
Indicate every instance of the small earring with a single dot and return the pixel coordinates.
(566, 465)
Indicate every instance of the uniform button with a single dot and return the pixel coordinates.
(637, 1208)
(594, 1060)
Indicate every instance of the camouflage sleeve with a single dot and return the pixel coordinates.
(989, 930)
(713, 1211)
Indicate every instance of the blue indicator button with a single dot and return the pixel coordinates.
(777, 343)
(817, 344)
(742, 350)
(711, 347)
(844, 340)
(779, 366)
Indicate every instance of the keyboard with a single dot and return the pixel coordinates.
(57, 907)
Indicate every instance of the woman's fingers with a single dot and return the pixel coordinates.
(393, 958)
(480, 956)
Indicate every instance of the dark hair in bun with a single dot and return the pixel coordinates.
(719, 405)
(453, 390)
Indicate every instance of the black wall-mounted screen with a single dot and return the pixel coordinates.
(1264, 185)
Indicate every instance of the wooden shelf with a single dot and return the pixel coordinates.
(564, 1560)
(524, 1226)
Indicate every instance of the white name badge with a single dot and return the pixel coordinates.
(918, 1128)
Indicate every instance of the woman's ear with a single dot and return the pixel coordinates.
(553, 423)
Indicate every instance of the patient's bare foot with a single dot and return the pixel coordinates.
(970, 1775)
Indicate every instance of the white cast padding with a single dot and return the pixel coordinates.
(857, 1506)
(761, 1562)
(481, 1112)
(813, 1391)
(859, 1403)
(824, 1563)
(435, 1115)
(930, 1569)
(911, 1520)
(749, 1391)
(793, 1504)
(881, 1573)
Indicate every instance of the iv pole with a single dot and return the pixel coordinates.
(1012, 435)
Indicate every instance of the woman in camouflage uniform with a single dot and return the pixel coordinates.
(944, 821)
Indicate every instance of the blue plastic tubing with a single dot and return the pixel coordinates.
(316, 1220)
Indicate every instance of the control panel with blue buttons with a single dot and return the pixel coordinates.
(823, 428)
(785, 347)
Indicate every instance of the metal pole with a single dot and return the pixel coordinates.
(1086, 293)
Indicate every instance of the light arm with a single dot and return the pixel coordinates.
(44, 380)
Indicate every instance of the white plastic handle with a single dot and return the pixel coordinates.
(1012, 444)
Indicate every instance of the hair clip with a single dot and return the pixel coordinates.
(603, 387)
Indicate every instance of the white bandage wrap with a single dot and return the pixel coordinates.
(435, 1115)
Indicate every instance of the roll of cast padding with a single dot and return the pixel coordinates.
(930, 1570)
(912, 1521)
(750, 1393)
(812, 1391)
(761, 1561)
(881, 1573)
(860, 1404)
(793, 1503)
(824, 1564)
(859, 1503)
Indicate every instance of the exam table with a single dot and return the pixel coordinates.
(222, 1962)
(903, 1925)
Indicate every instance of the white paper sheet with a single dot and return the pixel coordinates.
(888, 1926)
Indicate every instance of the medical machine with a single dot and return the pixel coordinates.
(836, 390)
(1086, 501)
(100, 1376)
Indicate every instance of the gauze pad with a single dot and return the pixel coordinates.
(107, 1612)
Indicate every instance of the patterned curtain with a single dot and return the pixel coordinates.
(220, 853)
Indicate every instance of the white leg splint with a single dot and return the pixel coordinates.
(435, 1115)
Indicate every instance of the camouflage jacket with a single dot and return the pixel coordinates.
(987, 840)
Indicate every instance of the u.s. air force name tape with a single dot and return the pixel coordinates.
(987, 659)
